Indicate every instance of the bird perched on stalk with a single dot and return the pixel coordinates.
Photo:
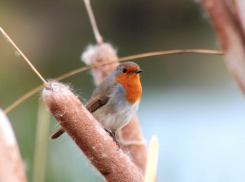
(116, 100)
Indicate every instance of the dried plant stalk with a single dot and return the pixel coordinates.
(230, 34)
(145, 55)
(89, 135)
(133, 142)
(130, 137)
(23, 56)
(240, 12)
(151, 167)
(11, 167)
(41, 144)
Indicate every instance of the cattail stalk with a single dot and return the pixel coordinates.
(229, 26)
(89, 135)
(41, 144)
(11, 166)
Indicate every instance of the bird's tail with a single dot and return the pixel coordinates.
(57, 133)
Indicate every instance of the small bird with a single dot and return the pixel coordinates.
(116, 100)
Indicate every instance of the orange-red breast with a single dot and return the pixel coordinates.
(116, 100)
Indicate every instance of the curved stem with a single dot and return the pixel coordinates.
(145, 55)
(23, 55)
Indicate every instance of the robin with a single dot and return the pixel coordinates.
(116, 100)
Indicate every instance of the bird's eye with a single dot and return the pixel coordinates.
(124, 70)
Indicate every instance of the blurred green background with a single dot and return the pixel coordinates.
(190, 102)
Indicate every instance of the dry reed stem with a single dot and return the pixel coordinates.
(11, 167)
(93, 22)
(230, 34)
(152, 159)
(23, 56)
(145, 55)
(240, 13)
(89, 135)
(41, 143)
(134, 143)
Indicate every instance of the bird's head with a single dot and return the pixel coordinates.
(127, 74)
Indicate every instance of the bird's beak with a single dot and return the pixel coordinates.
(138, 71)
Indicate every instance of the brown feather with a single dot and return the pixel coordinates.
(96, 103)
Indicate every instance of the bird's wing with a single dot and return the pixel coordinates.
(101, 95)
(96, 102)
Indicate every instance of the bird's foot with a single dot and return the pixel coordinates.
(113, 135)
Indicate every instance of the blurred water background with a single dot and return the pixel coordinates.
(190, 102)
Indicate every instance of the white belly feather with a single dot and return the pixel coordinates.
(119, 118)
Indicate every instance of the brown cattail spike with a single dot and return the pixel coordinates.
(89, 135)
(11, 167)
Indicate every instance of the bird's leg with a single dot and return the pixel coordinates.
(113, 135)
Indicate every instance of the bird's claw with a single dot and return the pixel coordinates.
(113, 135)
